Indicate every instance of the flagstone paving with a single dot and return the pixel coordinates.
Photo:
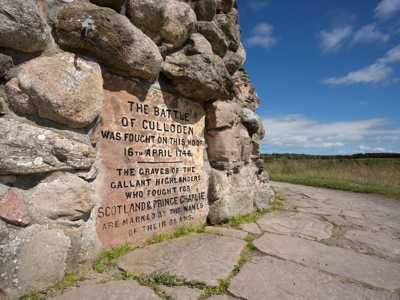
(203, 258)
(322, 244)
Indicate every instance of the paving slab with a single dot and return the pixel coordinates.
(298, 224)
(181, 292)
(115, 290)
(380, 242)
(251, 228)
(235, 233)
(272, 278)
(346, 263)
(221, 297)
(198, 257)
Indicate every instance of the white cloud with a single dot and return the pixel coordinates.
(374, 73)
(300, 134)
(392, 56)
(335, 39)
(370, 34)
(364, 148)
(371, 74)
(387, 8)
(257, 4)
(263, 36)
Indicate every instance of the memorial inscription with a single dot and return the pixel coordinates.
(152, 177)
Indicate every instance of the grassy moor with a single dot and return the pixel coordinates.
(368, 173)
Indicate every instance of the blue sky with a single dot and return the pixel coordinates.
(327, 73)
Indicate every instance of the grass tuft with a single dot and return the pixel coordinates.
(249, 239)
(181, 231)
(35, 296)
(107, 259)
(69, 280)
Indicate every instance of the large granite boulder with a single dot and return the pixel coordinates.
(237, 194)
(201, 77)
(222, 114)
(114, 4)
(205, 9)
(198, 44)
(34, 258)
(62, 197)
(169, 23)
(30, 149)
(215, 36)
(235, 60)
(228, 147)
(109, 37)
(231, 195)
(6, 63)
(252, 122)
(13, 209)
(225, 6)
(229, 25)
(71, 94)
(244, 90)
(22, 27)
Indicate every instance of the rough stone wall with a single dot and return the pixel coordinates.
(55, 58)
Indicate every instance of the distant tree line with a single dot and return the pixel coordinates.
(307, 156)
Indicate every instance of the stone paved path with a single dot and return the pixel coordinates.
(323, 244)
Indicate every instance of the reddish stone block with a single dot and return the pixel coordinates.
(13, 209)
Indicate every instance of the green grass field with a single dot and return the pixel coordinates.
(365, 175)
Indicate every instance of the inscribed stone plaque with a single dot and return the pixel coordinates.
(151, 149)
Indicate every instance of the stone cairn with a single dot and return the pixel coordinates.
(119, 120)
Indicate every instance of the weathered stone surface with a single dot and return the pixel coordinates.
(214, 35)
(110, 37)
(129, 290)
(205, 10)
(229, 147)
(13, 209)
(224, 148)
(235, 60)
(222, 114)
(245, 92)
(29, 149)
(235, 233)
(348, 264)
(71, 94)
(114, 4)
(21, 26)
(365, 211)
(232, 195)
(40, 260)
(246, 144)
(192, 257)
(271, 278)
(199, 77)
(229, 25)
(296, 224)
(221, 297)
(198, 44)
(264, 192)
(182, 292)
(61, 197)
(6, 63)
(225, 6)
(169, 23)
(383, 243)
(251, 228)
(251, 120)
